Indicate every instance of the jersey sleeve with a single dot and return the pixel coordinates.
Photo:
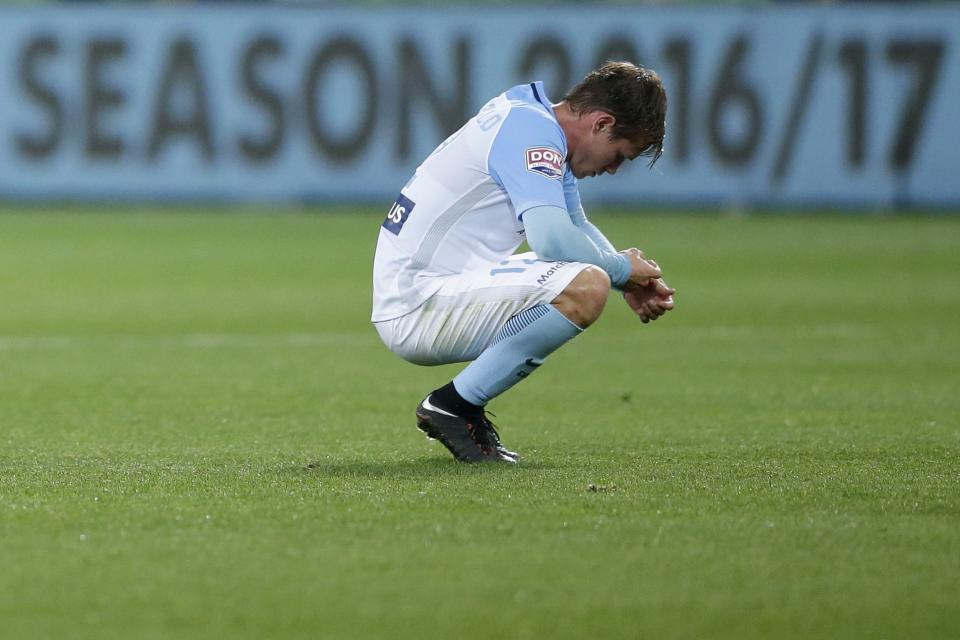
(571, 192)
(579, 218)
(528, 159)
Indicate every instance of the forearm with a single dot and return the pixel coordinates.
(553, 236)
(579, 218)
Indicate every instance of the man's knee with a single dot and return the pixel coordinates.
(583, 300)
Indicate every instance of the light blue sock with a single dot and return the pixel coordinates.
(517, 349)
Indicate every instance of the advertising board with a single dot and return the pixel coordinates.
(794, 105)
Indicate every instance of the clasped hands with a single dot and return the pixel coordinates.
(646, 292)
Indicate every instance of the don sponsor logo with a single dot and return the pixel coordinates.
(546, 161)
(398, 214)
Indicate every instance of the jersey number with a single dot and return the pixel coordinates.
(527, 261)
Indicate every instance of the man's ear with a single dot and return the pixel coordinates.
(603, 122)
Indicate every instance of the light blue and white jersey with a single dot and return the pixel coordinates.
(463, 208)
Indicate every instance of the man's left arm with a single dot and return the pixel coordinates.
(649, 302)
(579, 218)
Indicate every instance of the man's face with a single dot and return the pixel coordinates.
(599, 152)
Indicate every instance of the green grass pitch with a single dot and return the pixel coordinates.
(202, 437)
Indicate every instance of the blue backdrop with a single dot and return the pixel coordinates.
(782, 105)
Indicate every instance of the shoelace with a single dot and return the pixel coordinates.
(487, 433)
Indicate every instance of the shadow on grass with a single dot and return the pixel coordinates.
(410, 468)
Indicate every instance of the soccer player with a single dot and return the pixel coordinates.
(447, 287)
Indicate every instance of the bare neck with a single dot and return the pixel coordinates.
(572, 125)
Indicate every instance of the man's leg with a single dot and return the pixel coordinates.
(530, 336)
(516, 351)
